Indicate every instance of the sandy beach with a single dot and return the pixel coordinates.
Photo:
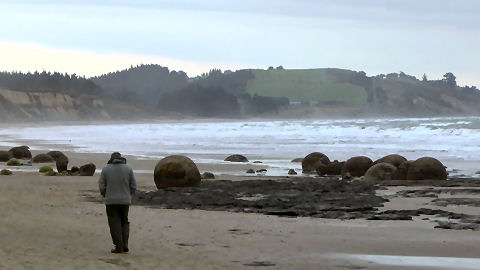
(47, 223)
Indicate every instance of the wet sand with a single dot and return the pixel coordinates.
(47, 223)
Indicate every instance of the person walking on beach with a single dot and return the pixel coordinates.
(117, 184)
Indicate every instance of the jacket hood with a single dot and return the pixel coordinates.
(120, 160)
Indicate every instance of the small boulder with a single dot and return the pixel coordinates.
(236, 158)
(42, 158)
(310, 162)
(257, 161)
(208, 175)
(292, 172)
(21, 152)
(297, 160)
(5, 172)
(381, 171)
(87, 169)
(393, 159)
(356, 166)
(250, 171)
(14, 162)
(45, 169)
(5, 156)
(261, 170)
(426, 168)
(176, 171)
(74, 171)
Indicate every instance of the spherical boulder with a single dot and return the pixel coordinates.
(208, 175)
(42, 158)
(292, 172)
(5, 156)
(309, 163)
(176, 171)
(61, 160)
(426, 168)
(380, 171)
(356, 166)
(333, 168)
(21, 152)
(250, 171)
(87, 169)
(393, 159)
(236, 158)
(402, 170)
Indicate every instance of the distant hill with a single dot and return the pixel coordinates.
(141, 84)
(312, 85)
(151, 91)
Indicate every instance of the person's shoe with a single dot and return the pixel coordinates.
(125, 249)
(116, 250)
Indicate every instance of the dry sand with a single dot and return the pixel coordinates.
(46, 223)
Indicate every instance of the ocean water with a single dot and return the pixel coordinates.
(454, 141)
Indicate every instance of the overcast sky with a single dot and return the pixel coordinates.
(377, 36)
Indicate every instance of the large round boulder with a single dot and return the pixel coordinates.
(21, 152)
(393, 159)
(176, 171)
(426, 168)
(87, 169)
(402, 170)
(380, 171)
(42, 158)
(356, 166)
(5, 156)
(314, 160)
(333, 168)
(236, 158)
(61, 160)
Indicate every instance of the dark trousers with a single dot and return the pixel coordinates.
(119, 226)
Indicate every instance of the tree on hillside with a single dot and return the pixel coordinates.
(424, 77)
(450, 79)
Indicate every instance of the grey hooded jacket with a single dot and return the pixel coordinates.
(117, 182)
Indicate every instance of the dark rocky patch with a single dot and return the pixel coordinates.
(260, 263)
(292, 172)
(297, 160)
(457, 201)
(307, 197)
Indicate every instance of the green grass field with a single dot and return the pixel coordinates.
(305, 85)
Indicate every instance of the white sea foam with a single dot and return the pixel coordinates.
(455, 141)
